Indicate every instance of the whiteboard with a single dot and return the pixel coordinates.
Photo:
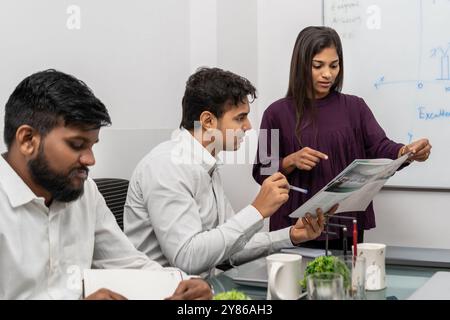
(396, 57)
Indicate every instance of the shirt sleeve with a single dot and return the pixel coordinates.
(268, 160)
(263, 244)
(377, 144)
(169, 196)
(260, 243)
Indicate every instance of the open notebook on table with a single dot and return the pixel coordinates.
(133, 284)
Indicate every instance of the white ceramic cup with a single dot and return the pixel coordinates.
(375, 254)
(285, 272)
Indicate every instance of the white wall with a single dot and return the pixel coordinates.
(412, 218)
(237, 35)
(279, 23)
(136, 56)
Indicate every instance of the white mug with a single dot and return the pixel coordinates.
(285, 272)
(375, 254)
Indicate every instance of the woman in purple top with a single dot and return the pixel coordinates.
(321, 131)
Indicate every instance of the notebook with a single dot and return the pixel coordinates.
(436, 288)
(131, 283)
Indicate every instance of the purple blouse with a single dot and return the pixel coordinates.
(345, 130)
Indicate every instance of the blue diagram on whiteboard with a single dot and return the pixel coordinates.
(443, 60)
(440, 54)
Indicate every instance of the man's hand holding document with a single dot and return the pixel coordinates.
(354, 188)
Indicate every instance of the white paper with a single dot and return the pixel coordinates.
(354, 188)
(132, 283)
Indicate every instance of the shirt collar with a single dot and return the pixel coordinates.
(197, 153)
(15, 188)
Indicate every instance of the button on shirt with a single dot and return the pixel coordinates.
(177, 212)
(44, 250)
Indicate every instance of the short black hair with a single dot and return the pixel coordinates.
(209, 89)
(48, 97)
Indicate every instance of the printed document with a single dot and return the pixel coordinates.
(354, 188)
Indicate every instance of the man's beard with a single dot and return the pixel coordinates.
(59, 185)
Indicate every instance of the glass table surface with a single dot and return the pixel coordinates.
(401, 281)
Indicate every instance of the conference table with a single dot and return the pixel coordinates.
(403, 277)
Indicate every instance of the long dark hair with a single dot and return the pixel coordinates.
(310, 41)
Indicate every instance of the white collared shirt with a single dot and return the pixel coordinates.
(177, 212)
(43, 250)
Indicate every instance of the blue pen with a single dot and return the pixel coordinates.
(298, 189)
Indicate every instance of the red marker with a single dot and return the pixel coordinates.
(355, 239)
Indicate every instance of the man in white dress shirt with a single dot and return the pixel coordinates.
(53, 221)
(176, 209)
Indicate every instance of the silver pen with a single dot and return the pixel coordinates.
(298, 189)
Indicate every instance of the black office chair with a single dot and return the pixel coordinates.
(114, 191)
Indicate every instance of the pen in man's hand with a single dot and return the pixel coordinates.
(298, 189)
